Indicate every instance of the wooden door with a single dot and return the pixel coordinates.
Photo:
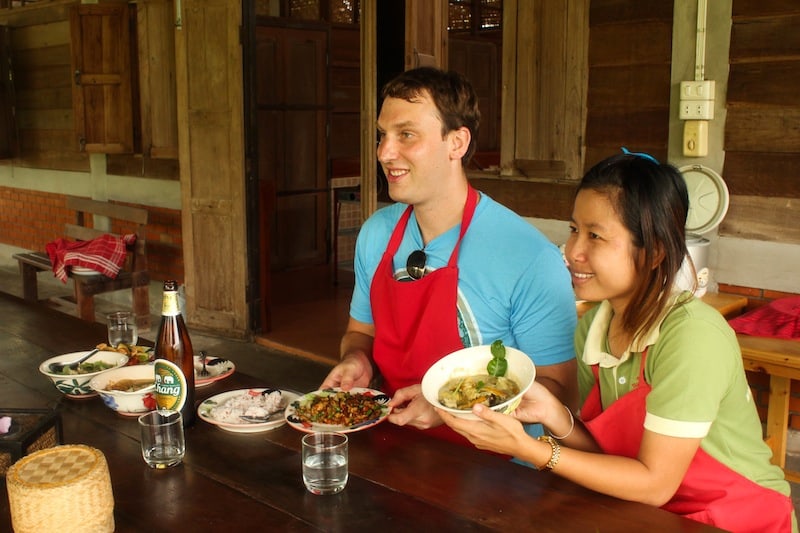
(208, 59)
(101, 65)
(291, 95)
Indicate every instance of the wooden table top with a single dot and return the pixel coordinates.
(399, 478)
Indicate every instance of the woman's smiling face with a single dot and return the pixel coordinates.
(600, 251)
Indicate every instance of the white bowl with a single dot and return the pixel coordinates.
(77, 385)
(126, 403)
(472, 361)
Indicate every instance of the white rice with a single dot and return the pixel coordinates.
(248, 403)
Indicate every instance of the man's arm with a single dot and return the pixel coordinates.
(561, 379)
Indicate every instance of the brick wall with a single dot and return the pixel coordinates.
(759, 381)
(31, 219)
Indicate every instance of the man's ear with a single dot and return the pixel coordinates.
(459, 142)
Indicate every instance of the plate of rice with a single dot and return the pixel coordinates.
(225, 410)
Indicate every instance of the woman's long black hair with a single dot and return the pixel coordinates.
(652, 202)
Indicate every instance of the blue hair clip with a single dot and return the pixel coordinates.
(641, 154)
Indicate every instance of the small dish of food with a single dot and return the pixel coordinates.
(247, 410)
(128, 390)
(496, 376)
(217, 368)
(337, 410)
(74, 383)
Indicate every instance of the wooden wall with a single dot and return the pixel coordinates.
(629, 78)
(627, 102)
(762, 132)
(40, 56)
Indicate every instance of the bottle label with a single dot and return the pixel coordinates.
(169, 306)
(171, 386)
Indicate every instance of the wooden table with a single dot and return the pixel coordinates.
(400, 479)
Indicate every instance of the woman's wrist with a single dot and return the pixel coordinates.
(566, 428)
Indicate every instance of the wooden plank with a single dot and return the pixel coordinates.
(764, 84)
(26, 59)
(764, 39)
(47, 35)
(762, 129)
(622, 86)
(530, 199)
(636, 127)
(48, 98)
(617, 11)
(763, 8)
(765, 219)
(39, 119)
(645, 43)
(111, 210)
(43, 78)
(761, 174)
(158, 101)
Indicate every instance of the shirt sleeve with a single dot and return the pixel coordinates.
(690, 369)
(543, 316)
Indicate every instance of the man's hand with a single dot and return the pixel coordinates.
(355, 370)
(409, 407)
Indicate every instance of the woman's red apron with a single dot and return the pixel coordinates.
(710, 492)
(416, 322)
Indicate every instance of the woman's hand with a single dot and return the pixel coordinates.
(409, 407)
(538, 405)
(495, 432)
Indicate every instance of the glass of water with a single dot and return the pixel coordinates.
(162, 438)
(325, 462)
(122, 329)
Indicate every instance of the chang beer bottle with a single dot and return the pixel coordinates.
(174, 359)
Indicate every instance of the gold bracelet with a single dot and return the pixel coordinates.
(555, 454)
(571, 426)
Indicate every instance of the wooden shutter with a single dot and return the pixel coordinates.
(101, 66)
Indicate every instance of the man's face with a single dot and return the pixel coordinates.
(411, 150)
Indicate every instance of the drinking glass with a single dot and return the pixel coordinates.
(162, 438)
(122, 328)
(325, 462)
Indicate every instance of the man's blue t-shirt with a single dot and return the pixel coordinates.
(512, 281)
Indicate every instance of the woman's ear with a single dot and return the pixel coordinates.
(658, 256)
(459, 142)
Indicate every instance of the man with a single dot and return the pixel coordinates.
(446, 266)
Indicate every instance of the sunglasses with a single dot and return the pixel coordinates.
(415, 264)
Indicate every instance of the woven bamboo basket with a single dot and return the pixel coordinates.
(65, 489)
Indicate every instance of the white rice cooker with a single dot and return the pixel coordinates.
(708, 204)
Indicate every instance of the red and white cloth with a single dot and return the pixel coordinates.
(780, 319)
(105, 254)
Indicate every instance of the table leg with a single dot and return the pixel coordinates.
(777, 418)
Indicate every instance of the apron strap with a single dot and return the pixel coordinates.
(466, 218)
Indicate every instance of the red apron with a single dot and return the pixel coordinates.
(416, 322)
(710, 492)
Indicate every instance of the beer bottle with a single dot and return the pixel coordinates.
(174, 359)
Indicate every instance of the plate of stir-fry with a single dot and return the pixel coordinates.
(337, 410)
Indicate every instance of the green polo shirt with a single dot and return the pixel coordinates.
(699, 387)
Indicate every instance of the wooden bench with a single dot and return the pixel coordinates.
(780, 358)
(134, 274)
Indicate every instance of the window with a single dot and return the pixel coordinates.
(475, 16)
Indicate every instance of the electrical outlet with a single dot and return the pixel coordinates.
(695, 138)
(696, 110)
(697, 90)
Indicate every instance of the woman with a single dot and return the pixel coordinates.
(667, 417)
